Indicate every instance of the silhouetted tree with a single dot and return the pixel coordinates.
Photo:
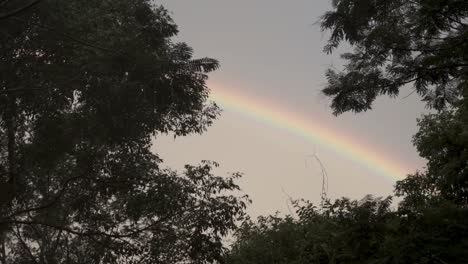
(84, 87)
(346, 231)
(422, 43)
(442, 139)
(398, 42)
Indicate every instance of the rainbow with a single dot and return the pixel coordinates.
(314, 132)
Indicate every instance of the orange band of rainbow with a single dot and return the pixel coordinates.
(307, 129)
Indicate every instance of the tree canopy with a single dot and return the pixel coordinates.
(84, 88)
(421, 43)
(349, 231)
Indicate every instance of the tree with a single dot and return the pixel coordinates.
(422, 43)
(271, 239)
(347, 231)
(395, 43)
(344, 231)
(442, 139)
(84, 87)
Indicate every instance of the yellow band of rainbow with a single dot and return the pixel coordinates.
(314, 132)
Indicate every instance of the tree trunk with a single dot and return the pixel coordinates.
(8, 187)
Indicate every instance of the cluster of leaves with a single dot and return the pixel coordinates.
(84, 87)
(442, 139)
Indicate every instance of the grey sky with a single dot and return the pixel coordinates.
(273, 50)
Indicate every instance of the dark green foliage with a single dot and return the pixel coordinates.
(398, 42)
(84, 87)
(345, 231)
(271, 240)
(443, 140)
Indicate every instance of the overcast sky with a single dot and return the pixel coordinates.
(272, 51)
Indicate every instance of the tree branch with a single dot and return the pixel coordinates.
(19, 10)
(4, 2)
(23, 243)
(20, 90)
(3, 251)
(10, 122)
(79, 41)
(99, 233)
(49, 204)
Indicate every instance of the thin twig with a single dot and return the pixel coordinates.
(408, 95)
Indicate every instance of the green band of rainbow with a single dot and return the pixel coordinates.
(314, 132)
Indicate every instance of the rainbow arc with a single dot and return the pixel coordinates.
(314, 132)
